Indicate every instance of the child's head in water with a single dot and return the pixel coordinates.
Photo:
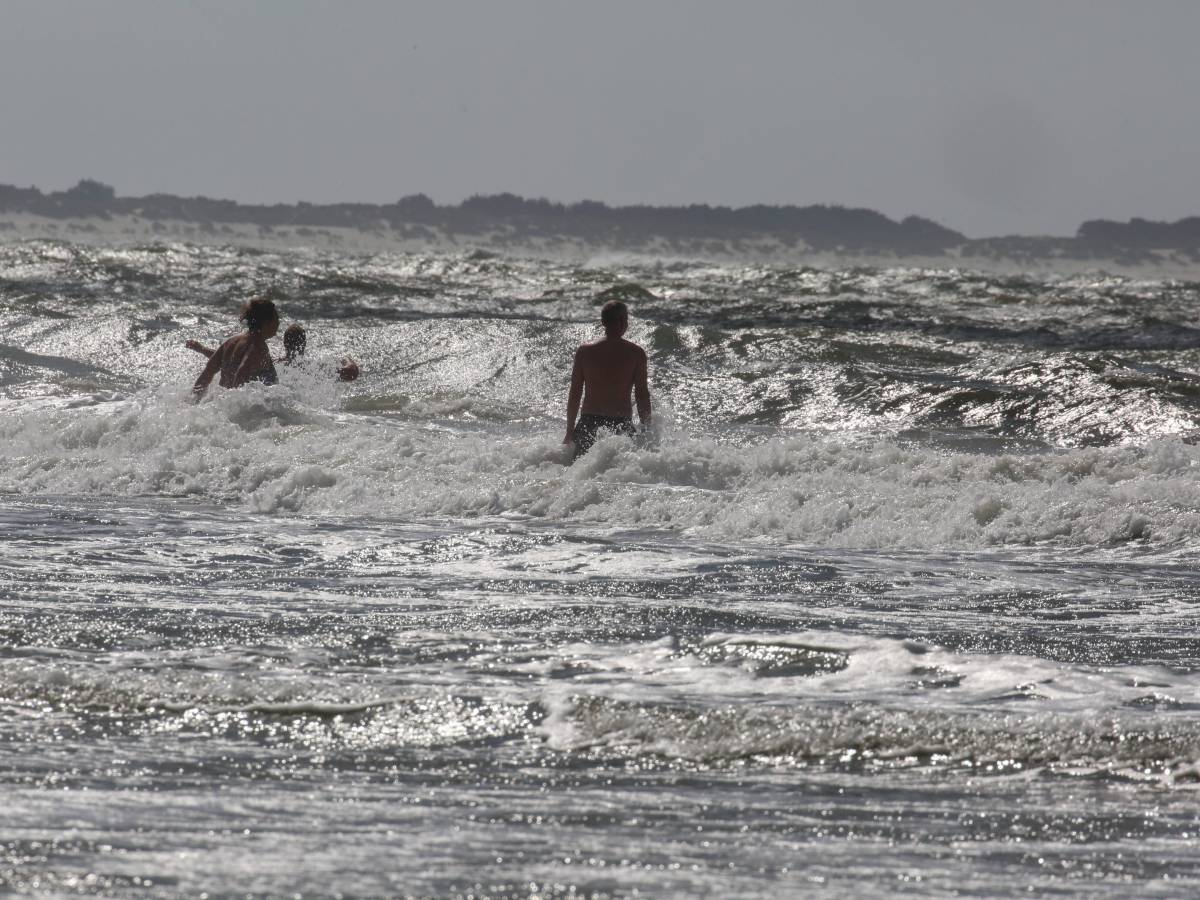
(294, 342)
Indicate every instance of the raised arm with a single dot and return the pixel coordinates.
(199, 348)
(574, 396)
(210, 370)
(641, 388)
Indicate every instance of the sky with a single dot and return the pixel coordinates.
(1014, 117)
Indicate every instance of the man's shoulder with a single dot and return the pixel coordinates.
(229, 345)
(608, 349)
(635, 349)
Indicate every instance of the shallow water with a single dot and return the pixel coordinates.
(897, 596)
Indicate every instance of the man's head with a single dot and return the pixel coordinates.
(614, 315)
(294, 342)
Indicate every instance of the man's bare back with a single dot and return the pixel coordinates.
(244, 357)
(603, 377)
(609, 370)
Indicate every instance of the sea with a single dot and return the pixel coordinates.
(896, 595)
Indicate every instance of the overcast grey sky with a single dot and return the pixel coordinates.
(992, 117)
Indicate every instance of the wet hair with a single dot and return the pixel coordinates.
(294, 341)
(259, 312)
(613, 313)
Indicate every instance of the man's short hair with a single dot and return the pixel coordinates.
(614, 312)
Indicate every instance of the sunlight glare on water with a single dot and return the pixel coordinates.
(897, 593)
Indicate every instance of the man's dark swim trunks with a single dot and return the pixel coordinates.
(588, 426)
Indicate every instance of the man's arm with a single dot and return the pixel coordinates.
(199, 348)
(210, 370)
(641, 388)
(574, 396)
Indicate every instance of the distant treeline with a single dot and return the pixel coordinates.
(513, 219)
(1181, 235)
(820, 227)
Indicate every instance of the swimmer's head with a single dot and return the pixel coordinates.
(261, 315)
(614, 315)
(294, 342)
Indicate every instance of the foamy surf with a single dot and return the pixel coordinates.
(271, 450)
(900, 580)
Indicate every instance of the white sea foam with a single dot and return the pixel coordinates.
(884, 702)
(285, 449)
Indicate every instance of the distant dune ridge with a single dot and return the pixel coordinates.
(506, 222)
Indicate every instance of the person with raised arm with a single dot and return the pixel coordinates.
(244, 357)
(295, 341)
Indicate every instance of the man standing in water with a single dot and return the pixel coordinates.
(604, 374)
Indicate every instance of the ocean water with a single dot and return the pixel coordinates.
(897, 596)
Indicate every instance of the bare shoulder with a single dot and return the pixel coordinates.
(635, 349)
